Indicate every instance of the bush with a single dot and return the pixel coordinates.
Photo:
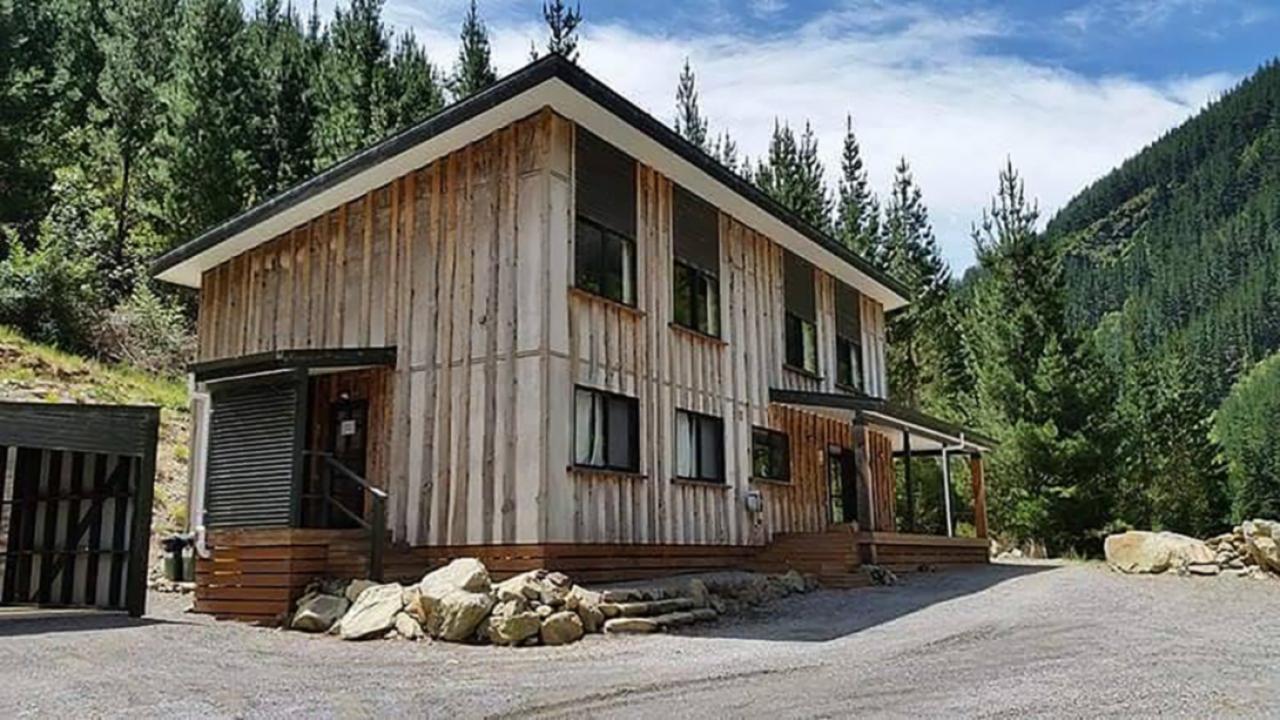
(146, 332)
(50, 295)
(1245, 427)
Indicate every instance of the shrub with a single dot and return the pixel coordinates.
(146, 331)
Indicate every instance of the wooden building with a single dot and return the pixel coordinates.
(542, 329)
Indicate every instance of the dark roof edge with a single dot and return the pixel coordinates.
(866, 403)
(535, 73)
(291, 359)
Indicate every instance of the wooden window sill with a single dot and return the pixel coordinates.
(607, 472)
(592, 297)
(714, 484)
(697, 334)
(802, 372)
(770, 481)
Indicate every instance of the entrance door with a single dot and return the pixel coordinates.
(842, 481)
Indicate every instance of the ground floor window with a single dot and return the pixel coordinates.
(699, 447)
(770, 455)
(606, 430)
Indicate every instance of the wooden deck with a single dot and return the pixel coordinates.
(256, 575)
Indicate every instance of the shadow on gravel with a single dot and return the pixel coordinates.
(830, 614)
(16, 622)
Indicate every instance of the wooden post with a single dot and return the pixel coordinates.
(946, 490)
(979, 495)
(906, 477)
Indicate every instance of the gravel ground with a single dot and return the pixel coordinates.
(1001, 641)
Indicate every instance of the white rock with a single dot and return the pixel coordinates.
(1204, 569)
(587, 604)
(455, 615)
(561, 628)
(408, 627)
(318, 613)
(466, 574)
(631, 625)
(1265, 552)
(512, 623)
(373, 614)
(1139, 551)
(525, 586)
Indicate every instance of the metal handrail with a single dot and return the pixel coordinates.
(377, 527)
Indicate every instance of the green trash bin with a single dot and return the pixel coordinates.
(179, 559)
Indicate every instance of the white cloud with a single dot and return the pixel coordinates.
(918, 85)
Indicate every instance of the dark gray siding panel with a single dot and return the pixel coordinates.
(605, 184)
(697, 231)
(798, 287)
(848, 317)
(255, 442)
(80, 428)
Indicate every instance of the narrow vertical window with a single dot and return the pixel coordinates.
(770, 455)
(801, 317)
(848, 338)
(604, 256)
(696, 272)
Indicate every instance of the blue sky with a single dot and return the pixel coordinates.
(1065, 88)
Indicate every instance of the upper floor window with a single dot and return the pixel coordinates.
(606, 430)
(801, 314)
(699, 447)
(604, 258)
(848, 338)
(770, 455)
(696, 274)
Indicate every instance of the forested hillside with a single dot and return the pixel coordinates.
(1172, 262)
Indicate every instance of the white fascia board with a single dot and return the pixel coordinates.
(575, 106)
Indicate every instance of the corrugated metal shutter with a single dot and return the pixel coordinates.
(255, 440)
(848, 318)
(798, 287)
(697, 231)
(605, 184)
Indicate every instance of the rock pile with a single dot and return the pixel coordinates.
(459, 603)
(1249, 550)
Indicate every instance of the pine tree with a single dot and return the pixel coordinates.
(27, 67)
(352, 83)
(690, 124)
(725, 150)
(793, 175)
(857, 211)
(281, 104)
(136, 45)
(416, 91)
(562, 27)
(910, 254)
(474, 69)
(206, 138)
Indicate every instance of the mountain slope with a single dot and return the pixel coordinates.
(1182, 241)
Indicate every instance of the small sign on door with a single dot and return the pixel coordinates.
(347, 428)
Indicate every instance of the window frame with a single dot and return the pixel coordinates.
(785, 448)
(706, 320)
(633, 414)
(606, 235)
(855, 360)
(696, 421)
(807, 362)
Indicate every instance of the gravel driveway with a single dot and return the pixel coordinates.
(1000, 641)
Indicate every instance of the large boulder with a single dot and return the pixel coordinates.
(373, 614)
(587, 604)
(561, 628)
(1265, 552)
(511, 623)
(455, 614)
(462, 574)
(1139, 551)
(318, 612)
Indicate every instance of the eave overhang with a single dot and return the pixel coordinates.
(570, 91)
(878, 411)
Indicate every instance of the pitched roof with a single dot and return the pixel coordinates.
(571, 91)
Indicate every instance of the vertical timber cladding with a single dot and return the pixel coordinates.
(452, 265)
(75, 515)
(256, 435)
(636, 352)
